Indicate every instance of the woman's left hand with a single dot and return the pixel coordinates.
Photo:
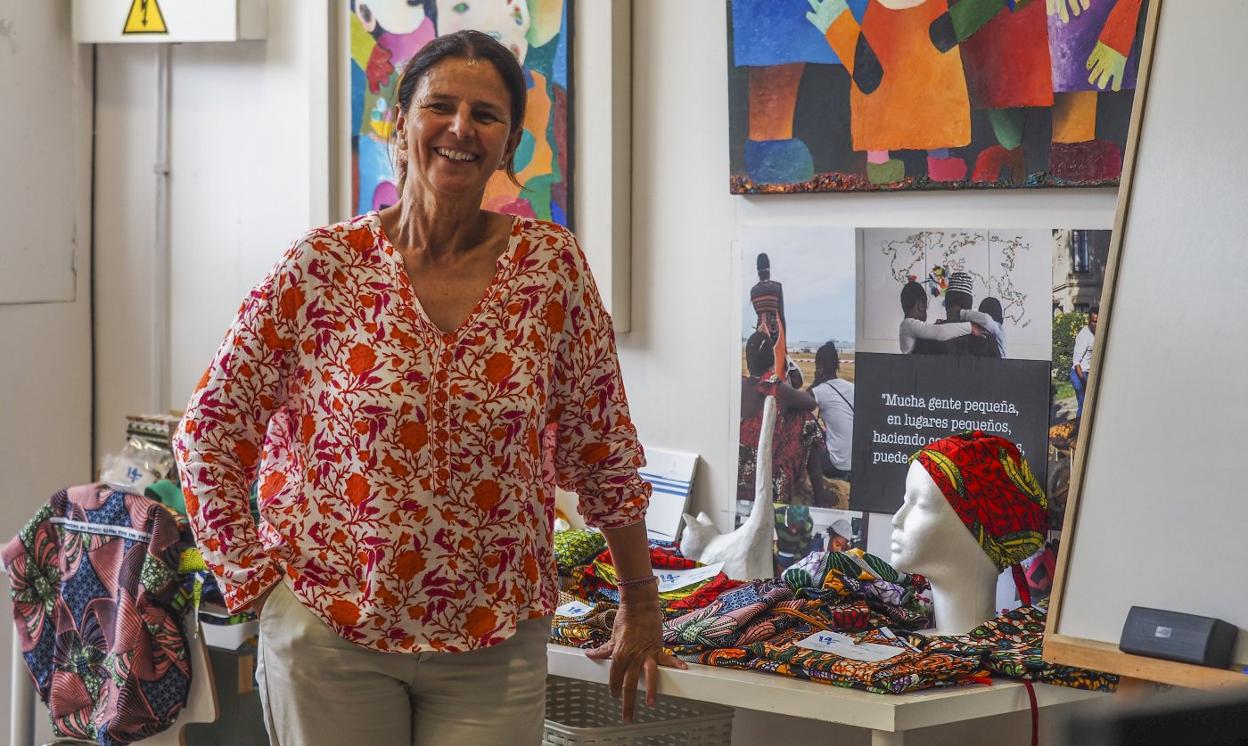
(636, 647)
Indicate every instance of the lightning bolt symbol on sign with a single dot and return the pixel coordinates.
(145, 17)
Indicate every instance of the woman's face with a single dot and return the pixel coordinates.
(457, 131)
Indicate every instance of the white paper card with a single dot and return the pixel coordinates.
(574, 610)
(844, 646)
(670, 580)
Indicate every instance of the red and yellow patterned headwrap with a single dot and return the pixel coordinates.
(990, 486)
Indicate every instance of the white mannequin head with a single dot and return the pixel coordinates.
(928, 536)
(930, 539)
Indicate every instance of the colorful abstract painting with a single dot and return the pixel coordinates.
(864, 95)
(385, 34)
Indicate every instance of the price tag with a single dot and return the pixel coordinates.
(671, 580)
(574, 610)
(844, 646)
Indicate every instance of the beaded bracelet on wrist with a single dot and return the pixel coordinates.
(633, 582)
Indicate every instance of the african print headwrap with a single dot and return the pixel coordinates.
(990, 486)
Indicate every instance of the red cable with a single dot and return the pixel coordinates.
(1035, 713)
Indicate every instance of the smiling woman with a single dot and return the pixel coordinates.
(399, 386)
(448, 79)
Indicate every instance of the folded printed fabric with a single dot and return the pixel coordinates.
(583, 631)
(1012, 645)
(577, 547)
(721, 623)
(700, 595)
(598, 581)
(908, 671)
(895, 596)
(843, 615)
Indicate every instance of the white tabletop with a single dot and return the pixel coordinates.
(755, 690)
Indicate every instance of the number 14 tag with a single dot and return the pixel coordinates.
(844, 646)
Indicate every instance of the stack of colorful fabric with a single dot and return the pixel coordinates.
(589, 583)
(588, 628)
(598, 582)
(893, 597)
(1013, 645)
(854, 598)
(906, 671)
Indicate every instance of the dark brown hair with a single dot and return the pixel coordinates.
(759, 355)
(466, 45)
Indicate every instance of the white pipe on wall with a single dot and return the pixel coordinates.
(161, 307)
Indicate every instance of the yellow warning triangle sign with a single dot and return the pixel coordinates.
(145, 18)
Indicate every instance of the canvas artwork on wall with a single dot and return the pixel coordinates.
(385, 34)
(862, 95)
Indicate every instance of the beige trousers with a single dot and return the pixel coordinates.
(318, 689)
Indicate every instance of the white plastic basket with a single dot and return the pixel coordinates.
(582, 712)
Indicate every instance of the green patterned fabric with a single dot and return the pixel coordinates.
(1013, 645)
(577, 547)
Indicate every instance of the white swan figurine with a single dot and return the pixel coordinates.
(747, 551)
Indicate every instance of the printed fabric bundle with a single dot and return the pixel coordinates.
(760, 611)
(587, 630)
(910, 670)
(93, 578)
(599, 579)
(1013, 645)
(895, 598)
(577, 547)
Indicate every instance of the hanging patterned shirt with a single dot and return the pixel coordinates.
(406, 475)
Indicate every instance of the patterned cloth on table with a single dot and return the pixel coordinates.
(588, 631)
(577, 547)
(1013, 645)
(906, 672)
(728, 619)
(894, 597)
(843, 591)
(598, 582)
(93, 577)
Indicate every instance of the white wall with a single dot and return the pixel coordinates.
(45, 371)
(248, 154)
(248, 121)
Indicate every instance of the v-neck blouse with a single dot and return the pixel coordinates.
(406, 475)
(501, 267)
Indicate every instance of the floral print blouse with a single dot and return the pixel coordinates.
(406, 475)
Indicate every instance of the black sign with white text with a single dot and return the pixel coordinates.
(904, 402)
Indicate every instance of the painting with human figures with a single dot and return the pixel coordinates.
(385, 34)
(869, 95)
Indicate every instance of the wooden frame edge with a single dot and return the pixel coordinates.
(1070, 519)
(1102, 656)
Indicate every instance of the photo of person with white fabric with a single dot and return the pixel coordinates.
(835, 397)
(1081, 357)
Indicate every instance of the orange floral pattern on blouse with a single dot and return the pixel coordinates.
(406, 476)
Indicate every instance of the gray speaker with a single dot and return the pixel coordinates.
(1186, 638)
